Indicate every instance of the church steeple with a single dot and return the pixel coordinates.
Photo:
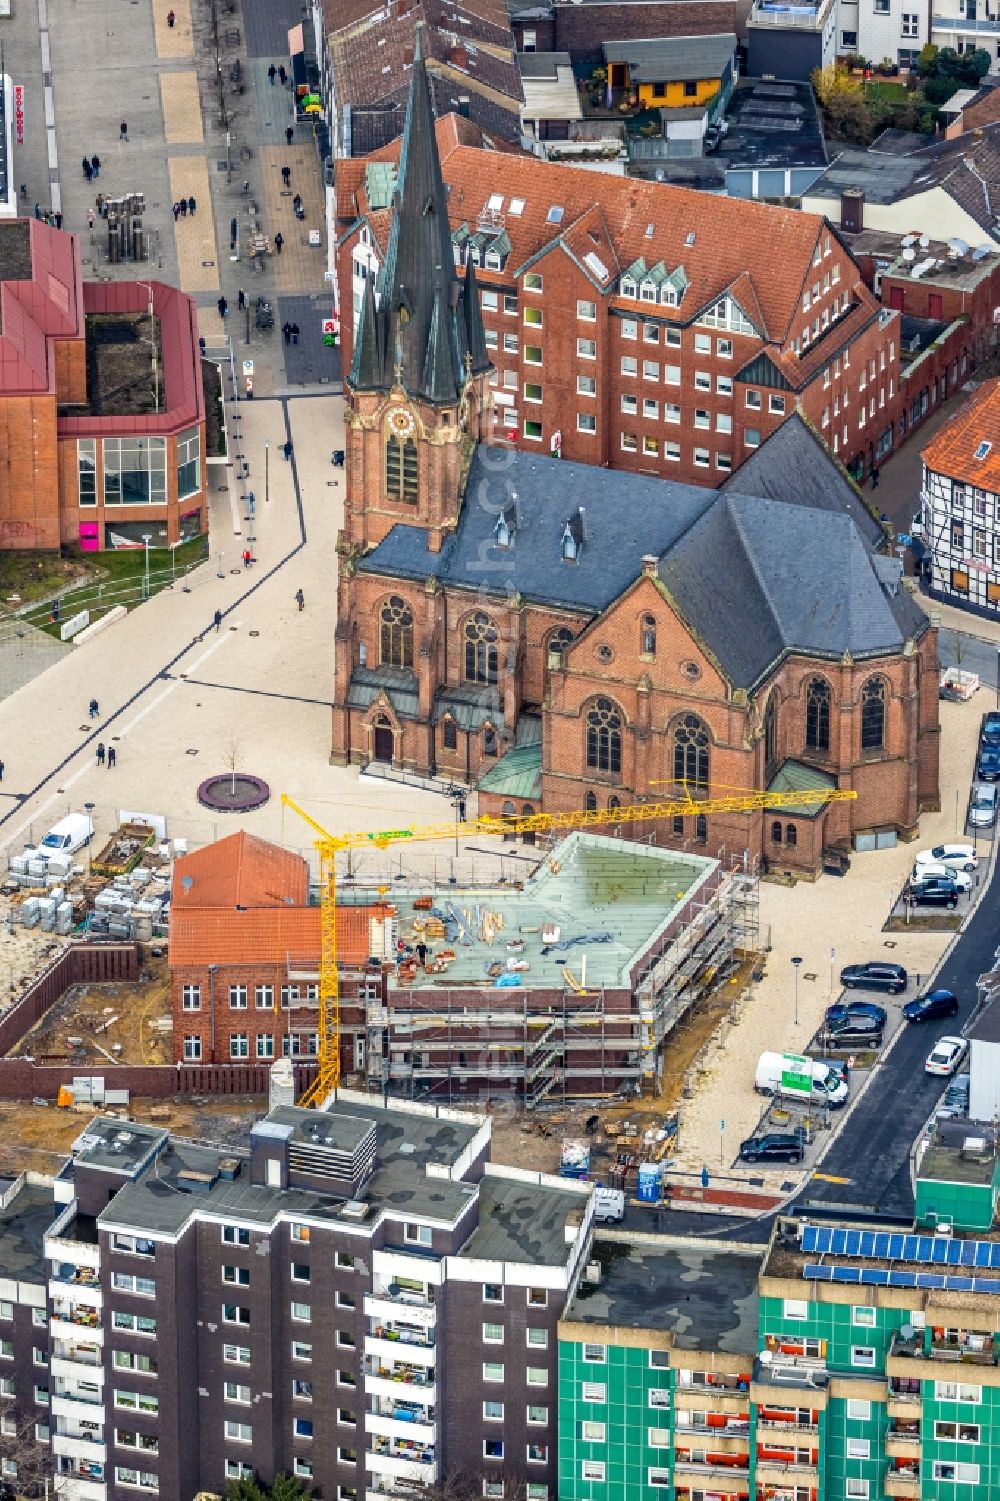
(422, 323)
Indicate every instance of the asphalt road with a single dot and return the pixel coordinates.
(973, 654)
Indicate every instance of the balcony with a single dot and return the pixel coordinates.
(72, 1405)
(396, 1349)
(776, 1428)
(725, 1464)
(400, 1384)
(902, 1439)
(404, 1307)
(64, 1327)
(785, 1472)
(903, 1482)
(903, 1402)
(76, 1488)
(400, 1461)
(84, 1278)
(66, 1363)
(719, 1386)
(79, 1448)
(978, 25)
(969, 1349)
(85, 1314)
(403, 1422)
(733, 1428)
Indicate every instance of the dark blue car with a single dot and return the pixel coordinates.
(988, 764)
(932, 1006)
(846, 1013)
(990, 731)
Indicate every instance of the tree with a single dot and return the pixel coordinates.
(466, 1486)
(849, 114)
(232, 759)
(282, 1488)
(34, 1460)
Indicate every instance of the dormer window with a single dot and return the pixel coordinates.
(492, 261)
(502, 532)
(647, 291)
(668, 295)
(628, 287)
(570, 546)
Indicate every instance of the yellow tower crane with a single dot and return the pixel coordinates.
(329, 845)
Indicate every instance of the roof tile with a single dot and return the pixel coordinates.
(240, 871)
(953, 448)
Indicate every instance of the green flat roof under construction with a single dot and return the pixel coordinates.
(589, 884)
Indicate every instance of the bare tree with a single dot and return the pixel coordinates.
(467, 1485)
(33, 1458)
(232, 758)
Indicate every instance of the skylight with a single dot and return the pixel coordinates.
(555, 214)
(495, 203)
(982, 450)
(516, 207)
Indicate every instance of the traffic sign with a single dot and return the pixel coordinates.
(904, 539)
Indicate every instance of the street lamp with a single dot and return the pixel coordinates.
(147, 537)
(796, 966)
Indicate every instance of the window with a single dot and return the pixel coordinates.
(691, 752)
(493, 1291)
(533, 316)
(586, 385)
(135, 471)
(629, 442)
(595, 1354)
(650, 407)
(301, 1313)
(124, 1282)
(593, 1391)
(776, 404)
(493, 1412)
(671, 411)
(240, 1433)
(192, 1048)
(236, 1354)
(863, 1317)
(647, 639)
(672, 375)
(586, 349)
(492, 1370)
(191, 998)
(493, 1448)
(239, 1045)
(302, 1427)
(86, 468)
(232, 1313)
(751, 437)
(141, 1479)
(395, 633)
(239, 1275)
(858, 1448)
(128, 1438)
(236, 1392)
(702, 417)
(630, 405)
(702, 458)
(510, 346)
(533, 282)
(538, 1415)
(957, 1391)
(752, 399)
(723, 422)
(538, 1454)
(966, 1474)
(873, 714)
(594, 1433)
(449, 733)
(650, 333)
(650, 369)
(538, 1338)
(188, 450)
(672, 452)
(630, 366)
(532, 391)
(967, 1433)
(301, 1350)
(592, 1469)
(235, 1235)
(263, 997)
(604, 738)
(536, 1375)
(863, 1356)
(265, 1045)
(586, 422)
(796, 1308)
(586, 310)
(481, 666)
(702, 380)
(492, 1334)
(818, 715)
(137, 1401)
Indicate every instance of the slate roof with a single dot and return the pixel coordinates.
(795, 465)
(952, 450)
(674, 60)
(400, 688)
(796, 576)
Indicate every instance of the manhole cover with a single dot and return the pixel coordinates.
(255, 633)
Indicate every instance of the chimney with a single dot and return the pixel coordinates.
(649, 563)
(459, 56)
(852, 210)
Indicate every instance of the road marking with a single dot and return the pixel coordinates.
(830, 1178)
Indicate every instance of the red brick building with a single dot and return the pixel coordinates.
(82, 463)
(566, 634)
(643, 326)
(244, 957)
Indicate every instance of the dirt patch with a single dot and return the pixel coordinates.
(121, 349)
(933, 922)
(38, 1138)
(95, 1026)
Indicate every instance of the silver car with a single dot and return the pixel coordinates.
(983, 805)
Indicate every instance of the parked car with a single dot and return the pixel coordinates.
(779, 1146)
(961, 878)
(946, 1055)
(983, 808)
(963, 856)
(989, 732)
(956, 1097)
(875, 975)
(847, 1013)
(936, 891)
(988, 763)
(931, 1006)
(862, 1031)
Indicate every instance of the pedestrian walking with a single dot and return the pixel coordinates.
(282, 76)
(286, 175)
(295, 333)
(875, 476)
(279, 240)
(289, 134)
(297, 206)
(192, 205)
(88, 170)
(1, 771)
(249, 388)
(95, 708)
(95, 165)
(217, 619)
(171, 18)
(223, 307)
(300, 599)
(461, 810)
(247, 557)
(177, 212)
(100, 752)
(286, 449)
(57, 219)
(286, 329)
(272, 73)
(112, 756)
(184, 208)
(91, 216)
(123, 131)
(38, 210)
(241, 300)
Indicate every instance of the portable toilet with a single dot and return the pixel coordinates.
(649, 1182)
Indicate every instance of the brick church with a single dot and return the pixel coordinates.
(564, 636)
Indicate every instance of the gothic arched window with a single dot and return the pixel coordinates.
(818, 714)
(691, 752)
(395, 633)
(873, 714)
(604, 736)
(481, 654)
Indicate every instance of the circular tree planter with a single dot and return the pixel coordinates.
(226, 793)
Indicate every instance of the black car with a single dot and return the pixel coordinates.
(855, 1031)
(990, 730)
(850, 1013)
(988, 764)
(935, 891)
(778, 1147)
(932, 1006)
(876, 975)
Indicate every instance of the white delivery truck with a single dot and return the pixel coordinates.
(800, 1078)
(609, 1204)
(69, 834)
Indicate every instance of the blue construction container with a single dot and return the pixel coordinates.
(649, 1182)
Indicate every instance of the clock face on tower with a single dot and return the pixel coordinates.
(401, 423)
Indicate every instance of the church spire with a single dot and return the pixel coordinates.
(425, 321)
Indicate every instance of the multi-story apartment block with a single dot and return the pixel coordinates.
(362, 1300)
(849, 1365)
(960, 505)
(884, 30)
(647, 327)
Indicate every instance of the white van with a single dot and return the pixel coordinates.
(800, 1078)
(609, 1204)
(70, 834)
